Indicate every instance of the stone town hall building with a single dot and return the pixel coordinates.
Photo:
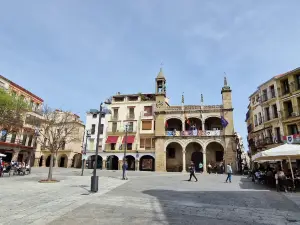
(162, 137)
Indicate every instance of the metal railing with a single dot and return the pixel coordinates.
(195, 133)
(130, 116)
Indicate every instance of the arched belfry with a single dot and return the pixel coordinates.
(160, 83)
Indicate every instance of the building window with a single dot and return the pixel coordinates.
(171, 153)
(147, 110)
(129, 146)
(292, 129)
(24, 139)
(130, 126)
(131, 113)
(147, 125)
(272, 91)
(278, 135)
(63, 145)
(255, 120)
(113, 146)
(116, 113)
(91, 144)
(101, 128)
(114, 127)
(265, 95)
(93, 129)
(3, 135)
(13, 138)
(267, 113)
(275, 112)
(30, 140)
(288, 108)
(285, 87)
(298, 81)
(148, 143)
(259, 118)
(142, 143)
(94, 115)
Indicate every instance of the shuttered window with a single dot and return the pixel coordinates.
(147, 125)
(148, 143)
(142, 143)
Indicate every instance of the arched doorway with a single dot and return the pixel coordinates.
(173, 127)
(91, 162)
(193, 124)
(48, 161)
(147, 163)
(131, 162)
(112, 162)
(174, 157)
(41, 161)
(213, 123)
(214, 152)
(77, 161)
(194, 152)
(63, 161)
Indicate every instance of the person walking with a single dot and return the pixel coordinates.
(229, 172)
(192, 172)
(209, 168)
(124, 168)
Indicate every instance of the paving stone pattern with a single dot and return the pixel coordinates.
(147, 198)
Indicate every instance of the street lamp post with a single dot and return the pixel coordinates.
(84, 151)
(124, 159)
(95, 178)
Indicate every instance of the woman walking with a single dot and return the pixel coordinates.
(192, 171)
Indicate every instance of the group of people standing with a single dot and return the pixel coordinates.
(192, 170)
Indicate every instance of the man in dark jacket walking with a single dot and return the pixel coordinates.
(192, 171)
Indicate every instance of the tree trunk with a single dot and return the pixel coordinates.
(50, 167)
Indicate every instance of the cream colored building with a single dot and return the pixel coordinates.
(136, 113)
(69, 155)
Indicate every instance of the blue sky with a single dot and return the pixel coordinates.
(76, 53)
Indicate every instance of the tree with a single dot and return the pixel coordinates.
(56, 129)
(12, 112)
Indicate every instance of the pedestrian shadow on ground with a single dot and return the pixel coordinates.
(178, 205)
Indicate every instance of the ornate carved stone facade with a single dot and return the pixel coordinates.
(199, 133)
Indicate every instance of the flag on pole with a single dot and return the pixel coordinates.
(224, 122)
(182, 98)
(201, 98)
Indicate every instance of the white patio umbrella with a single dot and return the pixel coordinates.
(2, 155)
(286, 151)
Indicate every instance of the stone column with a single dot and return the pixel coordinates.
(204, 162)
(44, 161)
(183, 162)
(36, 162)
(120, 164)
(137, 165)
(15, 155)
(69, 165)
(103, 164)
(203, 125)
(183, 124)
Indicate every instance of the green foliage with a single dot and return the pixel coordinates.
(12, 109)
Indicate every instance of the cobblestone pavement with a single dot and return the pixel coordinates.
(147, 198)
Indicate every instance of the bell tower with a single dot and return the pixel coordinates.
(160, 90)
(160, 105)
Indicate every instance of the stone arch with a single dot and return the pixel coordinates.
(173, 126)
(215, 152)
(212, 123)
(48, 161)
(194, 152)
(174, 157)
(181, 143)
(112, 162)
(147, 163)
(172, 117)
(77, 161)
(41, 161)
(92, 160)
(192, 123)
(62, 161)
(131, 162)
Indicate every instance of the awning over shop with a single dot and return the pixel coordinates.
(130, 139)
(112, 139)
